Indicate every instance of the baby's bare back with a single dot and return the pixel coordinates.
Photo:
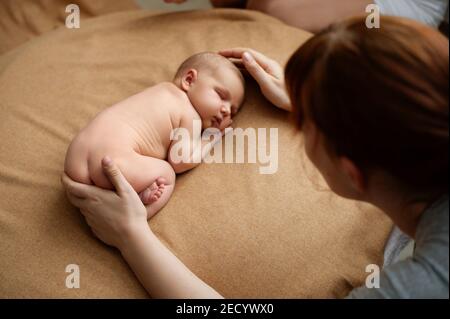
(139, 125)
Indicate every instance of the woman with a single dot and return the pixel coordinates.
(373, 107)
(314, 15)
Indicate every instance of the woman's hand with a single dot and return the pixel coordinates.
(267, 72)
(120, 219)
(112, 216)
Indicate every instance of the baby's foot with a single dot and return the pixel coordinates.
(153, 192)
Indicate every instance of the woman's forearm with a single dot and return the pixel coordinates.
(161, 273)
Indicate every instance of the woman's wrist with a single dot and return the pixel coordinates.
(133, 233)
(282, 103)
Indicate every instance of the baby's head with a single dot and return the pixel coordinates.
(214, 86)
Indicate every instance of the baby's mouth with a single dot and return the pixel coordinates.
(216, 121)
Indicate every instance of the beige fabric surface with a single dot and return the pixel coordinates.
(22, 20)
(246, 234)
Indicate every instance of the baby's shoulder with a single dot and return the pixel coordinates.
(179, 97)
(169, 89)
(176, 102)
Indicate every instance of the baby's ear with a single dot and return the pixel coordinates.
(188, 79)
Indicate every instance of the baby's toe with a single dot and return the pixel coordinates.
(144, 196)
(153, 186)
(161, 181)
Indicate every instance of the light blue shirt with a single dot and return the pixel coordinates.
(431, 12)
(425, 274)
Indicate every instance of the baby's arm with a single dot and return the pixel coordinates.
(202, 147)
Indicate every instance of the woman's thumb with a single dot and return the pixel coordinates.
(115, 176)
(255, 70)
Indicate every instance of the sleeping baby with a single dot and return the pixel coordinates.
(136, 132)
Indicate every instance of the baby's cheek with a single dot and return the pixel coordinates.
(210, 102)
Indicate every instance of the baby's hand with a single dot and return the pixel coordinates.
(226, 123)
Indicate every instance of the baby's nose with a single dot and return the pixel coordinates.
(225, 110)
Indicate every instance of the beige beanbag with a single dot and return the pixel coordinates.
(246, 234)
(22, 20)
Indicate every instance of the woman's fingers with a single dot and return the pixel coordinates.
(256, 63)
(255, 70)
(87, 219)
(76, 201)
(238, 63)
(86, 213)
(77, 189)
(267, 72)
(114, 174)
(238, 53)
(91, 225)
(260, 67)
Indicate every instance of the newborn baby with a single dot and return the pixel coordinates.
(136, 132)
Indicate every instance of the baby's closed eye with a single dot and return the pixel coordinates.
(221, 94)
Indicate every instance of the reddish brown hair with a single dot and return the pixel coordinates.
(379, 96)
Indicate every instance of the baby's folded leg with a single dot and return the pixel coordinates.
(152, 178)
(163, 198)
(76, 166)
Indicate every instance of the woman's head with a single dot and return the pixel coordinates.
(374, 100)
